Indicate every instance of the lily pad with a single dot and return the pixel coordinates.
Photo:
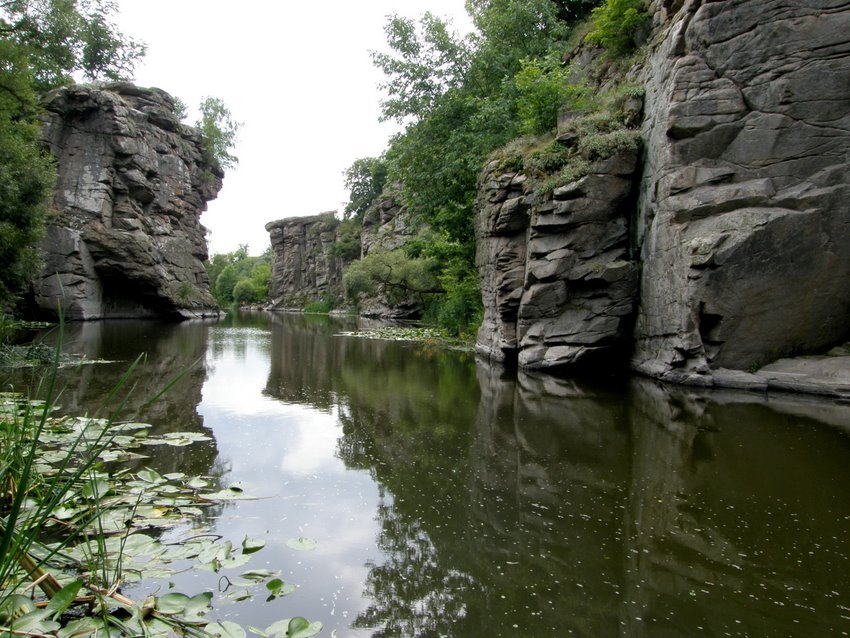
(302, 544)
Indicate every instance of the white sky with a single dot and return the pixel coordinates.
(297, 75)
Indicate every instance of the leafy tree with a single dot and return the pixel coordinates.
(237, 277)
(365, 180)
(393, 274)
(218, 132)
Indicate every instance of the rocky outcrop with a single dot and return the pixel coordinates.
(386, 224)
(305, 266)
(558, 278)
(125, 238)
(744, 216)
(740, 224)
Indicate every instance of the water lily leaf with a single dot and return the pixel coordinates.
(277, 589)
(225, 629)
(297, 627)
(258, 631)
(302, 544)
(251, 545)
(198, 605)
(197, 483)
(149, 476)
(230, 494)
(63, 598)
(257, 575)
(173, 603)
(174, 476)
(239, 595)
(96, 488)
(82, 627)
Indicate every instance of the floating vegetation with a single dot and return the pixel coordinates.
(78, 523)
(429, 336)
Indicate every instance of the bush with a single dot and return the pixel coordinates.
(616, 23)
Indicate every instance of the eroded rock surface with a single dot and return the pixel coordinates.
(742, 221)
(744, 215)
(304, 266)
(557, 275)
(125, 238)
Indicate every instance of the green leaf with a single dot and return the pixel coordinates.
(96, 488)
(174, 603)
(251, 545)
(149, 476)
(63, 599)
(299, 627)
(302, 544)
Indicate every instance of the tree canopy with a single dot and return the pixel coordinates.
(461, 97)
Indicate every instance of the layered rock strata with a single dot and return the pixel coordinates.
(741, 224)
(125, 238)
(744, 213)
(386, 224)
(557, 275)
(305, 267)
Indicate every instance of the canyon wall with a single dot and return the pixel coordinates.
(124, 238)
(305, 267)
(728, 247)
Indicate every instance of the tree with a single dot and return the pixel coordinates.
(365, 180)
(42, 42)
(218, 132)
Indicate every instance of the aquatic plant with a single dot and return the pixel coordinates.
(77, 523)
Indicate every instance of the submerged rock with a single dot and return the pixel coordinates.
(125, 238)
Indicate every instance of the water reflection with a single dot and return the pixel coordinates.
(453, 498)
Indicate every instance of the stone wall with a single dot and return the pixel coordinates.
(304, 266)
(734, 248)
(124, 238)
(744, 215)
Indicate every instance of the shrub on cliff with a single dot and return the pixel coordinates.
(616, 24)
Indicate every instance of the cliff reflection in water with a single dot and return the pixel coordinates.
(536, 505)
(170, 352)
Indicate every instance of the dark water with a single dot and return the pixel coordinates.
(451, 498)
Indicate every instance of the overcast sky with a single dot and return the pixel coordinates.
(297, 75)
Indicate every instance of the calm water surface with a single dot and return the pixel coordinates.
(451, 498)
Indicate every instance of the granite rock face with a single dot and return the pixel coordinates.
(557, 275)
(304, 266)
(386, 224)
(125, 238)
(740, 222)
(744, 214)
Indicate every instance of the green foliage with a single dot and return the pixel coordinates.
(347, 246)
(365, 180)
(218, 132)
(393, 274)
(461, 98)
(237, 278)
(616, 23)
(544, 86)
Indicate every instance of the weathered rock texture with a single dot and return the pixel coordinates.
(744, 216)
(742, 222)
(125, 239)
(386, 224)
(305, 267)
(557, 275)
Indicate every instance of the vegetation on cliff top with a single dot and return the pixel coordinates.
(460, 98)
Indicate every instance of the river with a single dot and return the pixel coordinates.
(448, 497)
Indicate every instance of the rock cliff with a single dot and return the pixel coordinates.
(729, 246)
(125, 238)
(305, 266)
